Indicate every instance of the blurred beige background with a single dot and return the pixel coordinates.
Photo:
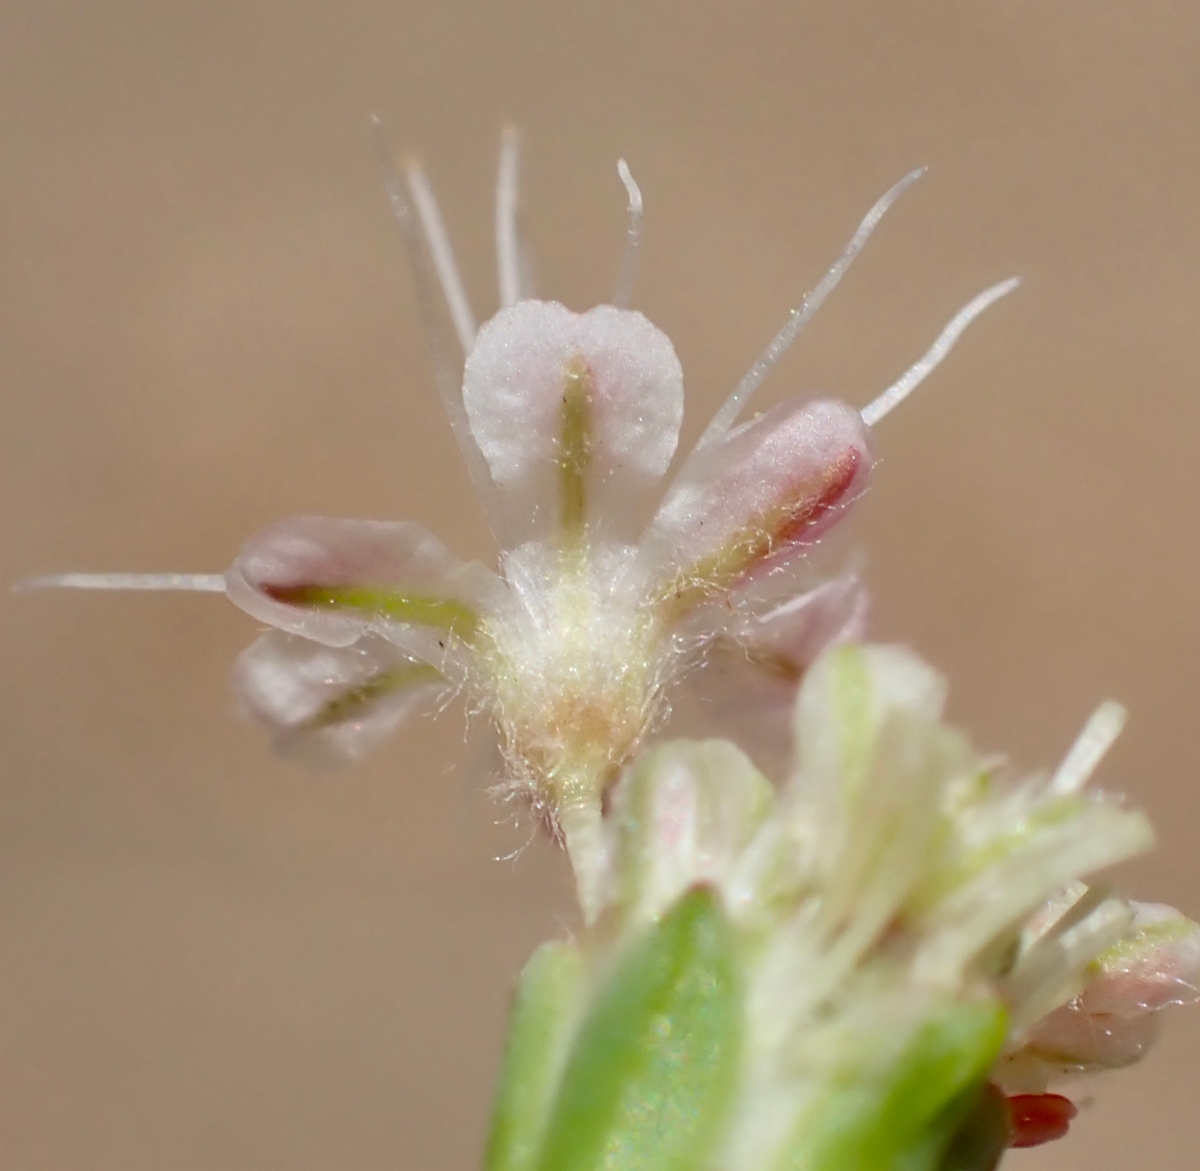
(212, 961)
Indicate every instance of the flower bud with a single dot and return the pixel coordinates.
(749, 502)
(1071, 1039)
(844, 704)
(1156, 965)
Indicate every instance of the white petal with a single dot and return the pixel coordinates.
(514, 389)
(334, 580)
(746, 688)
(755, 499)
(1022, 863)
(328, 705)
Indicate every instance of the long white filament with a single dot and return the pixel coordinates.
(508, 247)
(209, 583)
(916, 374)
(803, 313)
(438, 241)
(444, 375)
(633, 238)
(528, 272)
(1089, 749)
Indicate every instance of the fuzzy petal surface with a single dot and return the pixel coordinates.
(573, 412)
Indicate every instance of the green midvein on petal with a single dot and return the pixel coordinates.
(344, 706)
(447, 614)
(574, 449)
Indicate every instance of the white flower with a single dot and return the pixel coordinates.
(601, 597)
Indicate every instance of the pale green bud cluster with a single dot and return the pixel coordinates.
(820, 974)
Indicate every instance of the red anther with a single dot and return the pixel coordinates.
(1039, 1118)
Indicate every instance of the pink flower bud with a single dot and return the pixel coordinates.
(1073, 1037)
(1159, 964)
(750, 501)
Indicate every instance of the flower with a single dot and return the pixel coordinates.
(889, 956)
(600, 600)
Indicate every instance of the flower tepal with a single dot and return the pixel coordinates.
(612, 581)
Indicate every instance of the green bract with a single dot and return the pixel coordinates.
(900, 1113)
(540, 1027)
(649, 1072)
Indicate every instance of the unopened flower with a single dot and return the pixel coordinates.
(1112, 1016)
(843, 970)
(613, 580)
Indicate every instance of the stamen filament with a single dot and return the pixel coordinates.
(633, 238)
(447, 380)
(438, 241)
(1097, 737)
(916, 374)
(803, 313)
(508, 248)
(212, 583)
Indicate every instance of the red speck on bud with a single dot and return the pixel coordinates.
(290, 595)
(1039, 1118)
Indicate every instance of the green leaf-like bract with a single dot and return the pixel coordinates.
(649, 1077)
(540, 1024)
(903, 1117)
